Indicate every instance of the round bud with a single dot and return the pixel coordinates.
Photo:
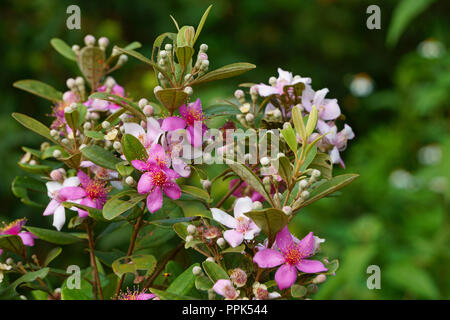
(254, 90)
(105, 124)
(75, 48)
(205, 63)
(207, 157)
(277, 113)
(168, 47)
(315, 173)
(320, 279)
(56, 175)
(189, 91)
(249, 117)
(129, 180)
(156, 89)
(304, 195)
(257, 205)
(142, 103)
(204, 47)
(115, 52)
(272, 81)
(287, 210)
(187, 77)
(79, 81)
(123, 58)
(82, 146)
(65, 141)
(196, 270)
(163, 54)
(148, 110)
(266, 180)
(103, 42)
(32, 162)
(189, 238)
(238, 277)
(89, 40)
(264, 161)
(9, 261)
(110, 82)
(70, 83)
(221, 242)
(22, 297)
(57, 153)
(53, 133)
(303, 184)
(206, 184)
(280, 154)
(239, 94)
(117, 145)
(87, 126)
(210, 259)
(191, 229)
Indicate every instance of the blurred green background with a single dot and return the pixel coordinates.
(396, 215)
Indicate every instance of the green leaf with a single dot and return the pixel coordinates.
(228, 71)
(298, 123)
(33, 125)
(171, 98)
(52, 255)
(48, 153)
(100, 156)
(312, 121)
(133, 45)
(322, 162)
(220, 110)
(180, 229)
(290, 138)
(11, 243)
(214, 271)
(284, 167)
(185, 36)
(96, 135)
(91, 62)
(203, 283)
(10, 291)
(63, 49)
(132, 264)
(133, 148)
(184, 282)
(309, 158)
(121, 202)
(193, 209)
(251, 178)
(328, 187)
(40, 89)
(108, 257)
(23, 184)
(94, 213)
(184, 55)
(124, 169)
(139, 56)
(298, 291)
(237, 249)
(164, 295)
(403, 14)
(201, 24)
(270, 220)
(35, 168)
(72, 119)
(51, 236)
(196, 192)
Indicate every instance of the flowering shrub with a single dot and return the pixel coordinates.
(113, 160)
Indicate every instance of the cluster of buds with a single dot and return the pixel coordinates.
(202, 63)
(247, 115)
(77, 87)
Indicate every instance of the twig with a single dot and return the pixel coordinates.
(94, 265)
(163, 264)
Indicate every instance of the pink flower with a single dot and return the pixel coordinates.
(291, 255)
(14, 228)
(95, 193)
(328, 109)
(243, 227)
(103, 105)
(59, 193)
(157, 178)
(137, 295)
(239, 192)
(103, 173)
(193, 115)
(285, 78)
(334, 141)
(58, 111)
(225, 288)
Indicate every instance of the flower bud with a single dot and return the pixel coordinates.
(32, 162)
(163, 54)
(238, 277)
(53, 133)
(264, 161)
(191, 229)
(210, 259)
(105, 124)
(249, 117)
(57, 153)
(76, 48)
(266, 181)
(129, 180)
(65, 141)
(206, 184)
(142, 103)
(168, 47)
(304, 195)
(82, 146)
(103, 42)
(239, 94)
(89, 40)
(272, 81)
(117, 145)
(189, 238)
(320, 279)
(87, 126)
(188, 91)
(197, 270)
(70, 83)
(187, 77)
(287, 210)
(256, 205)
(148, 110)
(9, 261)
(245, 108)
(56, 175)
(315, 173)
(79, 81)
(156, 89)
(303, 184)
(110, 82)
(123, 58)
(221, 242)
(204, 47)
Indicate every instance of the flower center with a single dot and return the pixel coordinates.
(292, 255)
(243, 224)
(230, 292)
(159, 177)
(193, 115)
(96, 189)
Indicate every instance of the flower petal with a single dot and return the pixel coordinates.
(72, 193)
(310, 266)
(242, 205)
(172, 190)
(140, 165)
(145, 183)
(154, 200)
(224, 218)
(84, 178)
(27, 238)
(306, 245)
(133, 129)
(53, 186)
(173, 123)
(285, 276)
(268, 258)
(284, 239)
(51, 207)
(181, 167)
(59, 218)
(233, 237)
(71, 182)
